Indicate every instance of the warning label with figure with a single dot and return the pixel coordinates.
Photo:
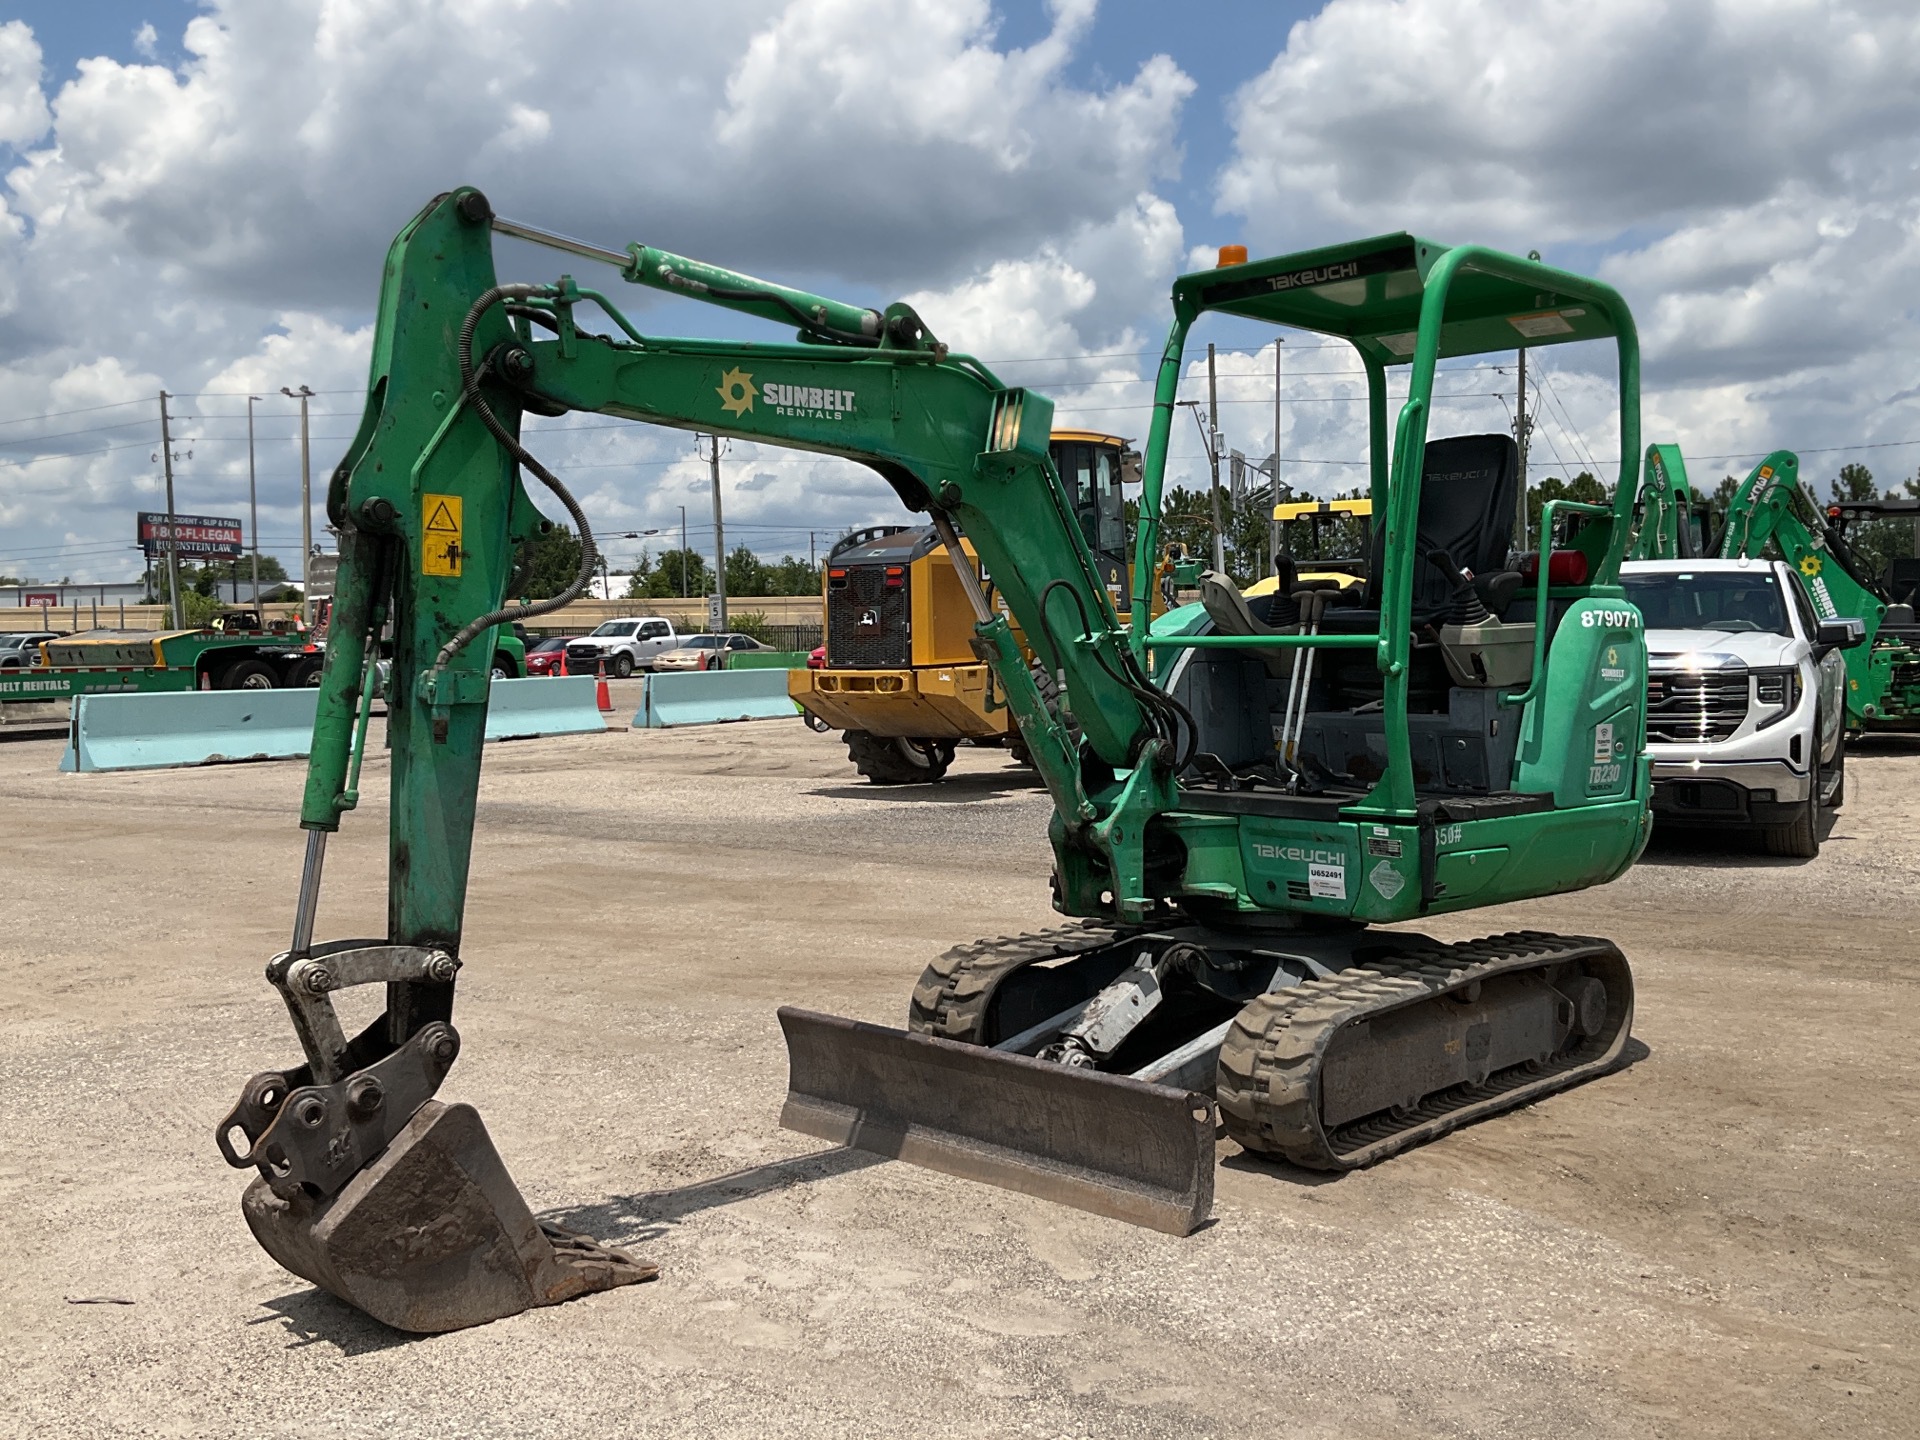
(440, 535)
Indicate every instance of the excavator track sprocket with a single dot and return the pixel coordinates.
(1445, 1035)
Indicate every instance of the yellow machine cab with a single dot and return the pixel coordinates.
(1327, 540)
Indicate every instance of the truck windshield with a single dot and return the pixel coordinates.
(617, 627)
(1696, 600)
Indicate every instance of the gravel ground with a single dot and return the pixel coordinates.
(1717, 1241)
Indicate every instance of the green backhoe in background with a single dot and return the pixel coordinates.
(1242, 791)
(1772, 513)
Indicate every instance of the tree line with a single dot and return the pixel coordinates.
(556, 560)
(1187, 520)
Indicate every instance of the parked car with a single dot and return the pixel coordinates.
(1746, 698)
(817, 658)
(545, 657)
(707, 652)
(21, 649)
(624, 646)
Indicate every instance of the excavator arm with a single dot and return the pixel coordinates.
(1666, 515)
(351, 1147)
(1772, 508)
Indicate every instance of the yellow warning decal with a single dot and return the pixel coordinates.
(440, 535)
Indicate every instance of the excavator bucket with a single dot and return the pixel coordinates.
(433, 1236)
(1105, 1143)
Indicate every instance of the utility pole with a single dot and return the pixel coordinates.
(1213, 463)
(719, 543)
(253, 504)
(1273, 525)
(1522, 427)
(303, 394)
(683, 552)
(173, 540)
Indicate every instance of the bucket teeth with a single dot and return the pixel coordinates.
(433, 1236)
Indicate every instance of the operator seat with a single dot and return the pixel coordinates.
(1234, 613)
(1468, 486)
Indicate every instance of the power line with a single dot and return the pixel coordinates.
(68, 434)
(83, 410)
(72, 455)
(1566, 416)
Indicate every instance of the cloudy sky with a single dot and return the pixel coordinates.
(197, 197)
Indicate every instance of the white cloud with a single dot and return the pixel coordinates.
(1741, 169)
(146, 41)
(1542, 121)
(23, 108)
(217, 225)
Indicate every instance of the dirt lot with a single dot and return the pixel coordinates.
(1718, 1241)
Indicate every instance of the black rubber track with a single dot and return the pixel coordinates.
(955, 992)
(1271, 1063)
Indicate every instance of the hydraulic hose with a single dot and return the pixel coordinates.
(470, 378)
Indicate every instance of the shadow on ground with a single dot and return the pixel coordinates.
(314, 1316)
(1709, 847)
(311, 1317)
(954, 790)
(635, 1219)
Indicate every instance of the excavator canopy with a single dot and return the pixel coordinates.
(1370, 292)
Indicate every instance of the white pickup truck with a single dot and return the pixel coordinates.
(623, 645)
(1746, 691)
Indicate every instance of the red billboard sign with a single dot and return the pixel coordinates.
(45, 599)
(192, 534)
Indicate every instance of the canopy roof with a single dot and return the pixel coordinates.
(1370, 292)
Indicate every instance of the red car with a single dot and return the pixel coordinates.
(818, 659)
(549, 656)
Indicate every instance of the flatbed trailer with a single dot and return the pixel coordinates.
(149, 661)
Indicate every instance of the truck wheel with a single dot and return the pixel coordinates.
(1799, 838)
(622, 666)
(249, 675)
(306, 674)
(892, 760)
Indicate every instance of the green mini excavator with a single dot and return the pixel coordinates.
(1245, 791)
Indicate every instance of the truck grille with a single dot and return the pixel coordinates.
(1687, 708)
(868, 623)
(582, 659)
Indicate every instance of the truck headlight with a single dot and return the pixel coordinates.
(1778, 691)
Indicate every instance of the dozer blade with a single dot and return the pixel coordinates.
(1106, 1143)
(433, 1236)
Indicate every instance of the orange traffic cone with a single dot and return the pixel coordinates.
(600, 694)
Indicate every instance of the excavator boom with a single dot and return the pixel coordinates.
(352, 1149)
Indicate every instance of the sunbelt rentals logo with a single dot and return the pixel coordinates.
(795, 402)
(736, 392)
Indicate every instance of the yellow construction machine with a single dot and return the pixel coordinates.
(899, 677)
(1325, 539)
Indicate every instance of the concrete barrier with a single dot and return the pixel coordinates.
(212, 727)
(557, 705)
(711, 697)
(767, 660)
(188, 727)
